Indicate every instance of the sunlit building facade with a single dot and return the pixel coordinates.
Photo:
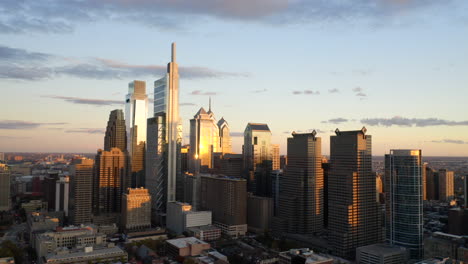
(164, 137)
(275, 155)
(300, 205)
(136, 209)
(5, 199)
(204, 138)
(115, 136)
(404, 200)
(446, 185)
(353, 216)
(257, 145)
(225, 143)
(81, 190)
(136, 109)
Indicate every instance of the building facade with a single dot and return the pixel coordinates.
(275, 156)
(225, 143)
(136, 110)
(446, 185)
(62, 194)
(404, 201)
(5, 182)
(301, 197)
(353, 216)
(381, 254)
(257, 145)
(81, 191)
(204, 138)
(136, 209)
(115, 136)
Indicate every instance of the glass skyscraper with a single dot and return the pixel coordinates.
(136, 109)
(404, 200)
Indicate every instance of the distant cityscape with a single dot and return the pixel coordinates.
(144, 197)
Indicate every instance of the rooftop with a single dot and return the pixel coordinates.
(383, 249)
(185, 242)
(259, 126)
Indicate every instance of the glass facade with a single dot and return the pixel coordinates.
(404, 197)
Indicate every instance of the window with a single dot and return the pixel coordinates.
(255, 140)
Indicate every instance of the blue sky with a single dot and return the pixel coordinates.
(398, 67)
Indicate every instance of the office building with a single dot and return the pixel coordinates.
(432, 184)
(5, 182)
(275, 156)
(381, 254)
(446, 185)
(226, 198)
(204, 139)
(443, 245)
(164, 137)
(184, 158)
(136, 209)
(81, 193)
(353, 215)
(457, 221)
(49, 187)
(262, 185)
(62, 194)
(302, 256)
(225, 143)
(205, 233)
(115, 136)
(93, 254)
(424, 179)
(136, 109)
(110, 171)
(301, 197)
(231, 165)
(2, 156)
(404, 201)
(257, 145)
(180, 217)
(259, 213)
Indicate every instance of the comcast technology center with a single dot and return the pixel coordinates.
(404, 222)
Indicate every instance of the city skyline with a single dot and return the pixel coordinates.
(401, 72)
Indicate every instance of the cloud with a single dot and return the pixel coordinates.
(13, 137)
(87, 101)
(199, 92)
(307, 92)
(450, 141)
(361, 94)
(58, 16)
(357, 89)
(187, 104)
(260, 91)
(87, 130)
(237, 134)
(20, 64)
(333, 91)
(19, 124)
(336, 121)
(409, 122)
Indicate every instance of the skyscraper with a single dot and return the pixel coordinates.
(81, 191)
(164, 137)
(275, 156)
(115, 136)
(257, 145)
(5, 202)
(301, 198)
(136, 209)
(404, 200)
(204, 138)
(432, 184)
(136, 109)
(446, 185)
(108, 179)
(353, 217)
(225, 143)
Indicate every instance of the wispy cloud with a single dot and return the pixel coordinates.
(19, 124)
(86, 130)
(187, 104)
(260, 91)
(409, 122)
(237, 134)
(450, 141)
(20, 64)
(357, 89)
(359, 92)
(310, 92)
(335, 121)
(333, 91)
(58, 16)
(200, 92)
(87, 101)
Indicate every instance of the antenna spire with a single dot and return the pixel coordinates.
(173, 52)
(209, 105)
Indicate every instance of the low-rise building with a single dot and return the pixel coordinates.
(184, 247)
(302, 256)
(180, 216)
(442, 245)
(205, 233)
(39, 222)
(381, 254)
(86, 255)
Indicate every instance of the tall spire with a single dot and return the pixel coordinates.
(173, 59)
(209, 105)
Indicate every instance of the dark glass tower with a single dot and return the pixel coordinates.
(116, 136)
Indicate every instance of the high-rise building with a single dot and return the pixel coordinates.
(226, 198)
(353, 214)
(2, 156)
(446, 185)
(136, 209)
(108, 178)
(164, 137)
(275, 156)
(81, 172)
(225, 143)
(257, 145)
(231, 165)
(301, 197)
(62, 194)
(115, 136)
(5, 181)
(204, 138)
(136, 109)
(404, 200)
(432, 184)
(424, 179)
(465, 178)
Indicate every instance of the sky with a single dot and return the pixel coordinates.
(397, 67)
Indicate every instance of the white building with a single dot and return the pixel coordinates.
(180, 217)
